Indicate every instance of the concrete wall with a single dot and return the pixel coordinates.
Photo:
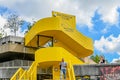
(14, 63)
(93, 70)
(15, 44)
(7, 72)
(7, 69)
(86, 70)
(14, 47)
(8, 39)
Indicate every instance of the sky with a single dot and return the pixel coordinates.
(97, 19)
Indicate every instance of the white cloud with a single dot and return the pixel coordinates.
(110, 44)
(109, 14)
(116, 60)
(7, 32)
(83, 9)
(20, 32)
(2, 21)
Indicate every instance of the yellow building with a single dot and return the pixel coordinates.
(55, 37)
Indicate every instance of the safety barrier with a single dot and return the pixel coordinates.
(70, 70)
(18, 74)
(31, 73)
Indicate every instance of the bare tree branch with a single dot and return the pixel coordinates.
(14, 22)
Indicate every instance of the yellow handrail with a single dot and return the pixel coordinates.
(71, 72)
(32, 71)
(30, 74)
(68, 70)
(24, 76)
(18, 74)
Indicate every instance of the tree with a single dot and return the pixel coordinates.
(95, 58)
(2, 32)
(13, 22)
(30, 25)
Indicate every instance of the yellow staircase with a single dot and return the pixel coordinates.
(29, 74)
(67, 43)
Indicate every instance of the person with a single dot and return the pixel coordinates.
(63, 66)
(102, 60)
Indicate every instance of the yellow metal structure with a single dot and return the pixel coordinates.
(29, 74)
(18, 74)
(68, 43)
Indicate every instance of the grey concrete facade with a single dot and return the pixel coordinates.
(13, 55)
(14, 39)
(16, 62)
(7, 72)
(98, 71)
(15, 44)
(12, 47)
(93, 69)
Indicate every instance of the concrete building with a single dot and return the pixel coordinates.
(13, 54)
(87, 60)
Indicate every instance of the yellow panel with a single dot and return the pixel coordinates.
(69, 20)
(53, 55)
(61, 28)
(40, 26)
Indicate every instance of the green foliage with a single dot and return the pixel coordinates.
(30, 25)
(95, 58)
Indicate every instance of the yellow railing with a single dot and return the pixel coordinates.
(18, 74)
(30, 74)
(24, 75)
(68, 70)
(71, 74)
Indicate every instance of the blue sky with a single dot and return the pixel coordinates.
(96, 34)
(99, 20)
